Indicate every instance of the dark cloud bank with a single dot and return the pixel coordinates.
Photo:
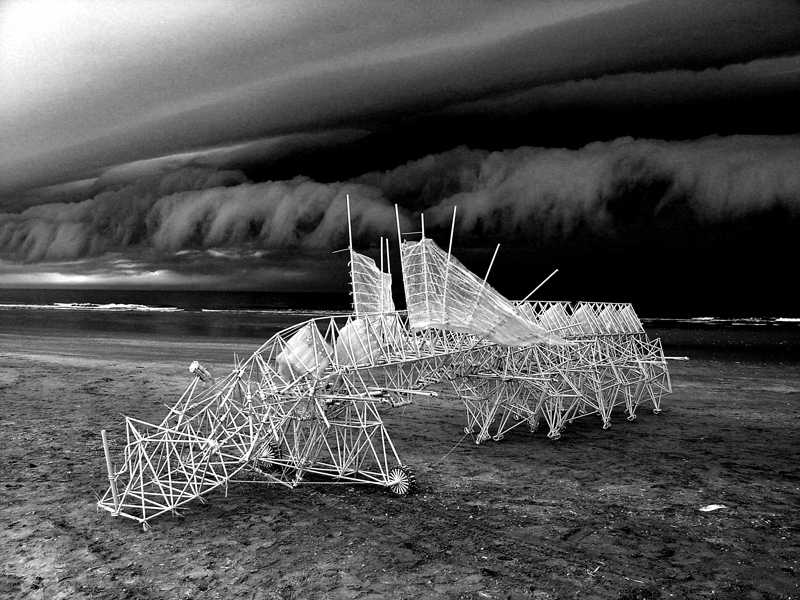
(640, 219)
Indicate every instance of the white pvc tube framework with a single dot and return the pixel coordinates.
(309, 400)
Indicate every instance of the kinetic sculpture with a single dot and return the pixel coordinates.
(306, 406)
(550, 360)
(608, 362)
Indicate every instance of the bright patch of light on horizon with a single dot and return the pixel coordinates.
(55, 278)
(222, 269)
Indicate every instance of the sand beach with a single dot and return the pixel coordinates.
(597, 514)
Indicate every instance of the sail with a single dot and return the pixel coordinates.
(305, 352)
(372, 289)
(444, 294)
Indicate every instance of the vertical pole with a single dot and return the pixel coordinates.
(400, 247)
(380, 283)
(399, 235)
(350, 247)
(111, 479)
(402, 270)
(447, 266)
(390, 299)
(425, 268)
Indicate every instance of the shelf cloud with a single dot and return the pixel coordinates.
(521, 196)
(212, 143)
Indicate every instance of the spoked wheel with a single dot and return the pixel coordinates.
(401, 480)
(269, 452)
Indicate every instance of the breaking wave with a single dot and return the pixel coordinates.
(112, 307)
(124, 307)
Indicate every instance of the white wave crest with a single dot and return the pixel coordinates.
(112, 307)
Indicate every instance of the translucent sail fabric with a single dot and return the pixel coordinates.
(372, 289)
(359, 342)
(585, 321)
(305, 352)
(631, 319)
(444, 294)
(556, 318)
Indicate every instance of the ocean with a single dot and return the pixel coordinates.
(249, 318)
(159, 313)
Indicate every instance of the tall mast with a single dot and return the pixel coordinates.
(447, 266)
(381, 307)
(350, 248)
(425, 267)
(389, 271)
(399, 235)
(400, 248)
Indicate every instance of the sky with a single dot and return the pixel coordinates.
(650, 149)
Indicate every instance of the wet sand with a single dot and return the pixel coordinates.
(598, 514)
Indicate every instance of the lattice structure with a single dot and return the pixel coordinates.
(306, 406)
(550, 360)
(609, 362)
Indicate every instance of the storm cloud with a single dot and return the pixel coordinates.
(88, 85)
(527, 193)
(521, 196)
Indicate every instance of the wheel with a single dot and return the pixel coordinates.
(263, 459)
(270, 451)
(401, 480)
